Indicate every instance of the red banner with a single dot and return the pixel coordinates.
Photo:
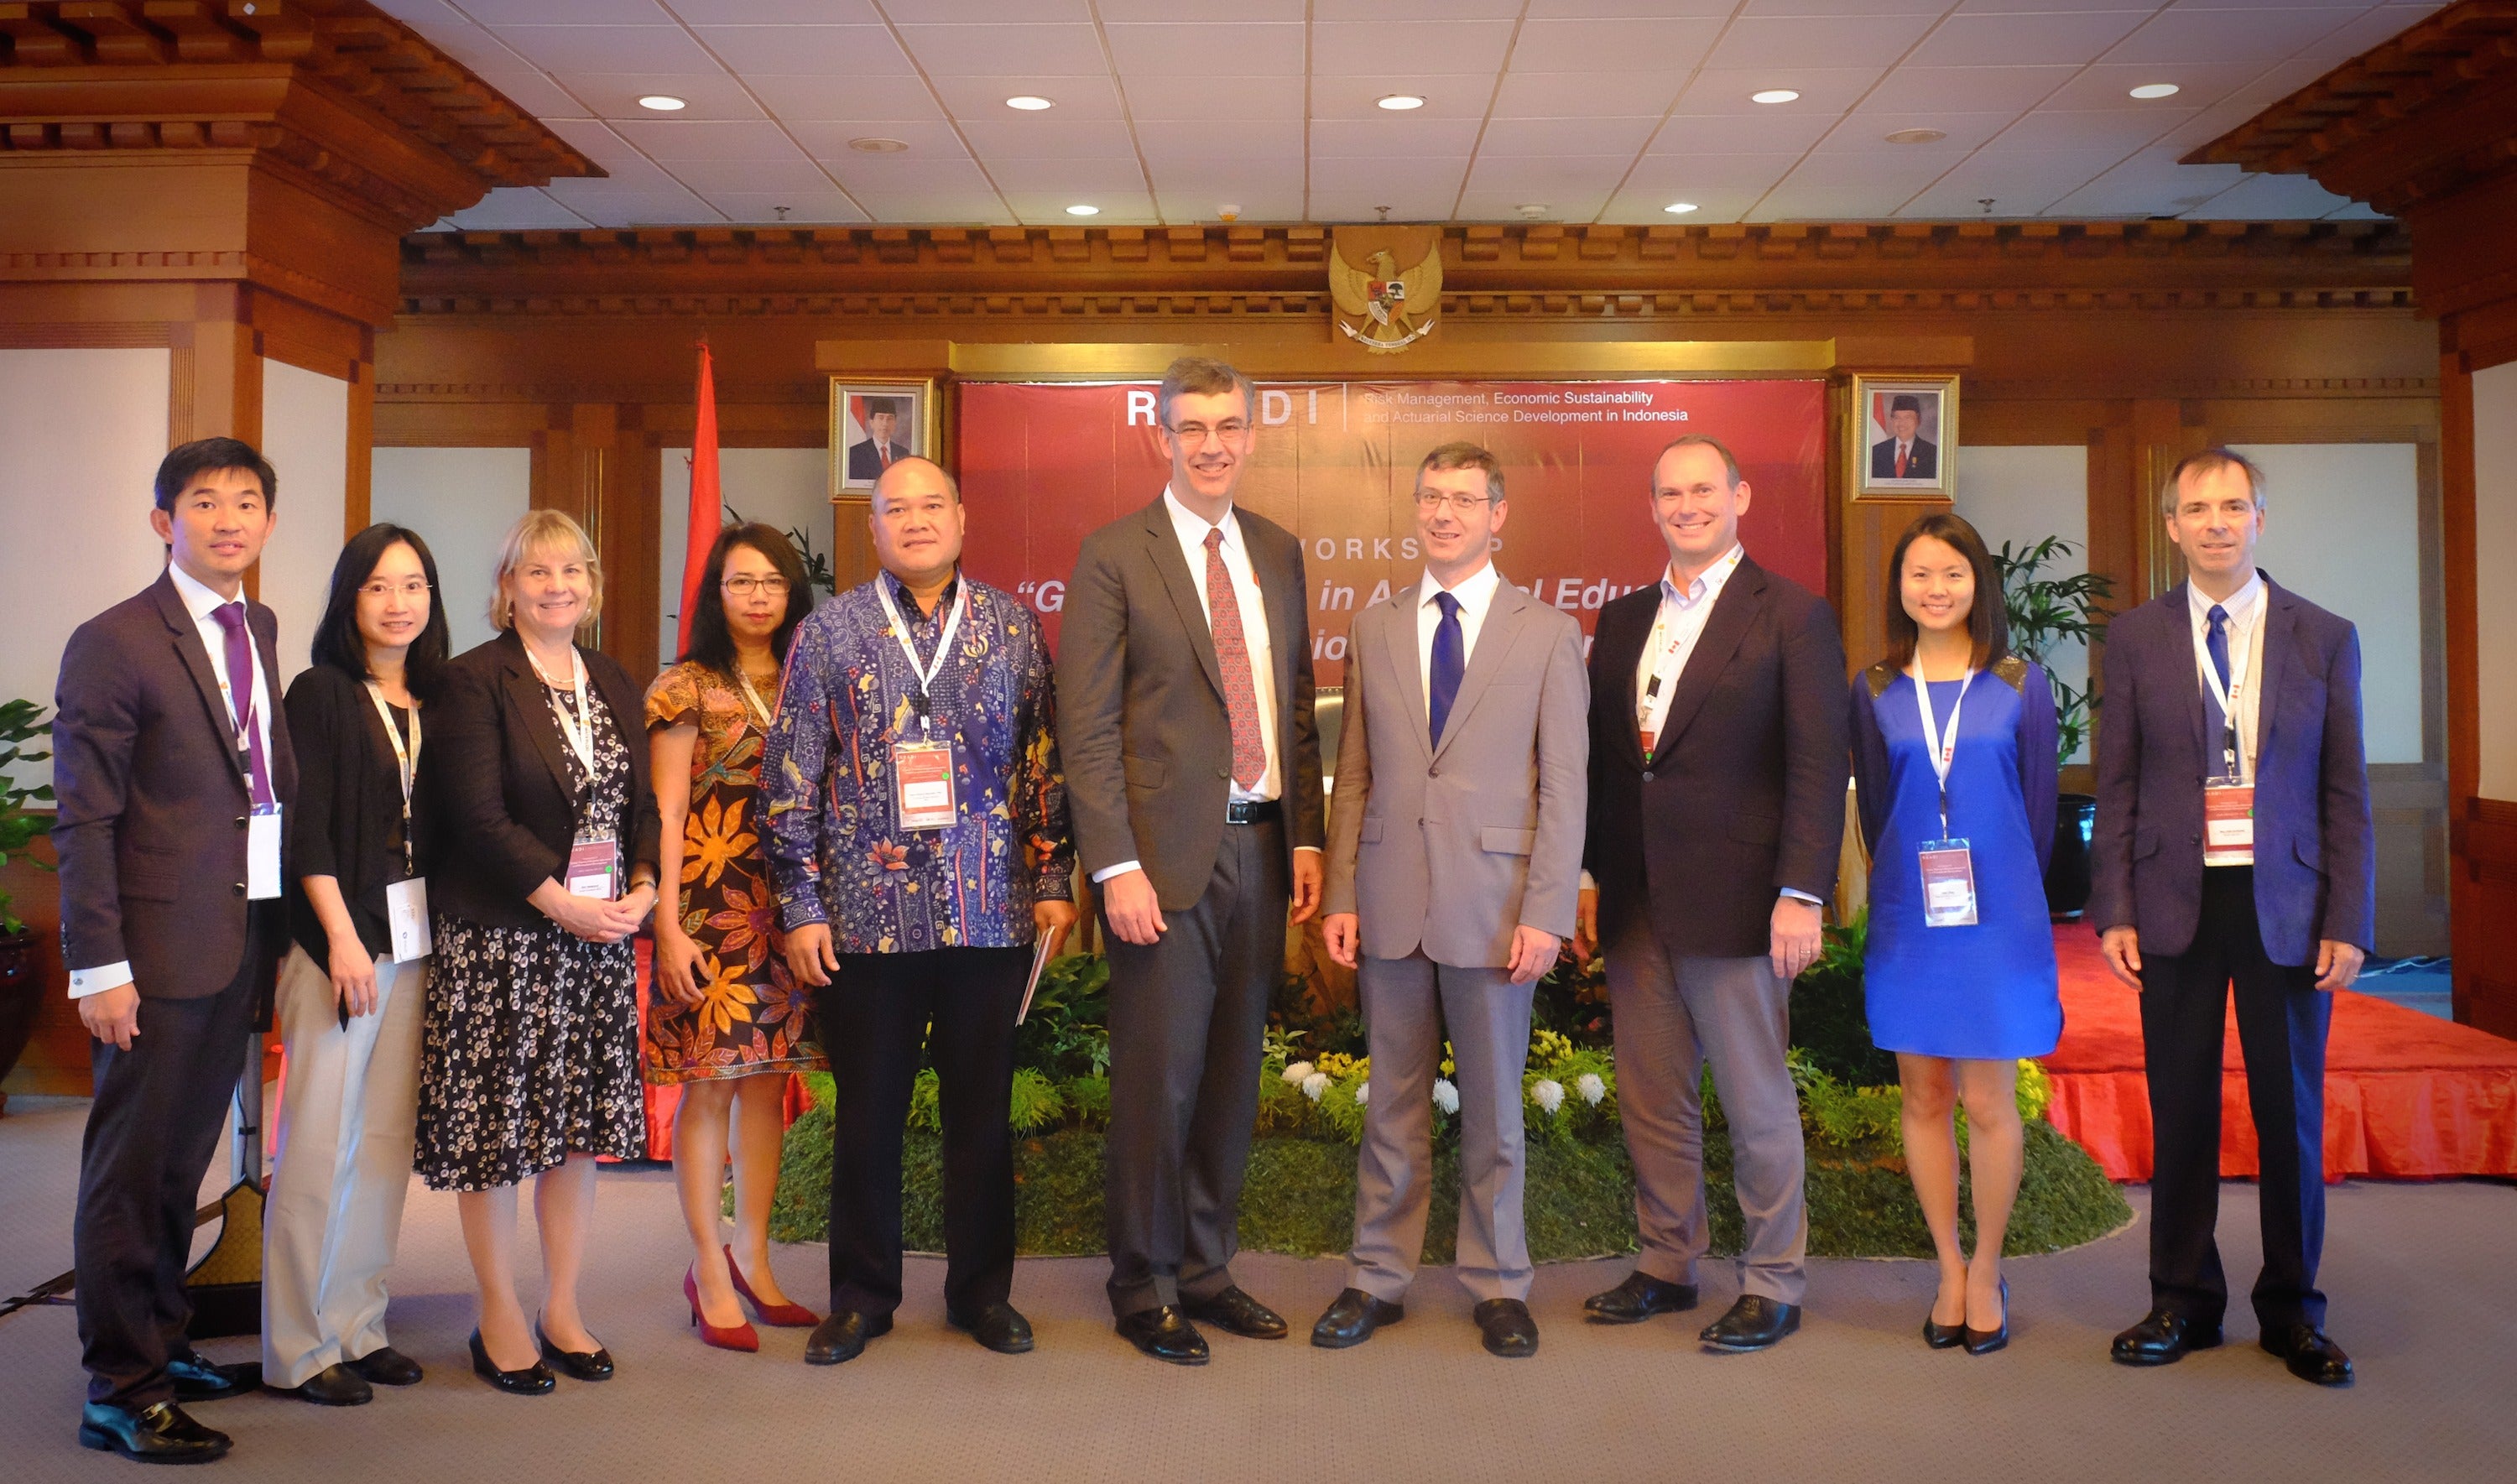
(1041, 466)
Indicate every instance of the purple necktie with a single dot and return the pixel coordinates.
(231, 616)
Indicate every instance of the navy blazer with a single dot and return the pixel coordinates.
(2314, 847)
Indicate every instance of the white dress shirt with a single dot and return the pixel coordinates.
(2245, 609)
(200, 603)
(1475, 594)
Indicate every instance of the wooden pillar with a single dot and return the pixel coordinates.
(597, 462)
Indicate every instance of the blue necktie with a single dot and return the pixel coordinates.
(2217, 642)
(1450, 661)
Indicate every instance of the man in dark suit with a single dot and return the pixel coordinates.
(1718, 764)
(868, 456)
(172, 766)
(1193, 780)
(1904, 454)
(2233, 846)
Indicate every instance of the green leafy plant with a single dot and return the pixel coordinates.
(21, 722)
(2048, 614)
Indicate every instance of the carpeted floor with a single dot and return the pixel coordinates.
(2423, 1298)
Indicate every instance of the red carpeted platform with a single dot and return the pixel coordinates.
(2407, 1096)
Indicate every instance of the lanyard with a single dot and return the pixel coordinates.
(2234, 744)
(407, 764)
(1943, 750)
(579, 727)
(760, 709)
(925, 673)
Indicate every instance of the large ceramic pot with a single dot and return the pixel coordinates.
(2066, 875)
(21, 983)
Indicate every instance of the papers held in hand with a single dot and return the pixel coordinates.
(1040, 953)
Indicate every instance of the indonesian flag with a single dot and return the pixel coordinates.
(708, 503)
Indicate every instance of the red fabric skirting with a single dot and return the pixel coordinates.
(2407, 1096)
(662, 1102)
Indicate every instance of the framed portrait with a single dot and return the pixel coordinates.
(1904, 438)
(873, 423)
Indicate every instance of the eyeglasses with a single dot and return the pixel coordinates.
(415, 588)
(1195, 434)
(743, 585)
(1461, 505)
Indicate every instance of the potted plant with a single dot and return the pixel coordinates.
(2048, 614)
(20, 976)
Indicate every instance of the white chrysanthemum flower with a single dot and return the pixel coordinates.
(1315, 1085)
(1590, 1088)
(1295, 1071)
(1548, 1093)
(1446, 1095)
(1363, 1094)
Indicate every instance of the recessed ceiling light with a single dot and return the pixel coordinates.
(663, 102)
(1678, 208)
(1917, 137)
(878, 146)
(1078, 209)
(1029, 103)
(1776, 95)
(1399, 102)
(2157, 90)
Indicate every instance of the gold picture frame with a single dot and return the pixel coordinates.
(1889, 458)
(857, 454)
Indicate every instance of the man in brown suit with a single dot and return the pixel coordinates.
(172, 767)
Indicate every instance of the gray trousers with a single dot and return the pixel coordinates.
(1672, 1016)
(1406, 1005)
(1188, 1016)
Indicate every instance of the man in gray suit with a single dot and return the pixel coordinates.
(1193, 780)
(1454, 851)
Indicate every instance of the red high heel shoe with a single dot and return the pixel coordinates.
(784, 1316)
(735, 1336)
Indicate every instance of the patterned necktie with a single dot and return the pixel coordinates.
(1232, 653)
(2217, 642)
(239, 657)
(1450, 659)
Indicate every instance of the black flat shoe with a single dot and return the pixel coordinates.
(999, 1327)
(1507, 1328)
(1351, 1319)
(2311, 1355)
(1985, 1342)
(842, 1336)
(336, 1386)
(1638, 1298)
(1235, 1312)
(155, 1434)
(1164, 1334)
(199, 1378)
(2162, 1338)
(1754, 1323)
(386, 1366)
(593, 1365)
(534, 1379)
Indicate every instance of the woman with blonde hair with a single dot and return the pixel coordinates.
(546, 850)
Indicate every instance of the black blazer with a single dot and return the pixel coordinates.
(1922, 462)
(1745, 795)
(502, 813)
(346, 822)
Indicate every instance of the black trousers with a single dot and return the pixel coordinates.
(2281, 1020)
(152, 1132)
(1188, 1018)
(874, 1015)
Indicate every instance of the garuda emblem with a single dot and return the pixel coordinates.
(1387, 284)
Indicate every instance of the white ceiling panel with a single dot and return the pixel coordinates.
(1867, 133)
(515, 209)
(1260, 49)
(536, 94)
(1124, 12)
(1216, 181)
(1827, 91)
(710, 177)
(563, 11)
(987, 11)
(824, 207)
(1858, 9)
(2067, 37)
(2201, 81)
(935, 207)
(616, 94)
(1585, 94)
(1672, 45)
(2120, 128)
(1443, 175)
(1904, 172)
(1406, 204)
(807, 51)
(1001, 48)
(776, 12)
(1214, 100)
(1378, 48)
(2266, 33)
(1415, 10)
(2275, 195)
(1565, 137)
(1085, 96)
(798, 98)
(1078, 180)
(1117, 207)
(1397, 140)
(1574, 171)
(1562, 205)
(667, 141)
(900, 174)
(1742, 133)
(606, 205)
(1671, 179)
(1045, 136)
(1916, 89)
(565, 49)
(1269, 145)
(926, 138)
(1712, 204)
(1822, 41)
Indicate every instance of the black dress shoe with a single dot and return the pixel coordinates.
(593, 1365)
(1235, 1312)
(1754, 1323)
(2162, 1338)
(1351, 1319)
(199, 1378)
(534, 1379)
(1636, 1300)
(1985, 1342)
(336, 1386)
(154, 1434)
(2309, 1353)
(1164, 1334)
(1508, 1329)
(999, 1327)
(387, 1367)
(842, 1336)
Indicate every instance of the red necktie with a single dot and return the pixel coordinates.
(1901, 460)
(1232, 653)
(884, 451)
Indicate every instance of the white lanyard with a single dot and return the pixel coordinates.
(760, 709)
(1943, 750)
(2236, 747)
(406, 759)
(925, 673)
(578, 728)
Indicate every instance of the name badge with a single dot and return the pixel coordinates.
(406, 914)
(594, 869)
(262, 854)
(922, 780)
(2228, 825)
(1948, 884)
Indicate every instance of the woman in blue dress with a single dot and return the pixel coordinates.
(1960, 962)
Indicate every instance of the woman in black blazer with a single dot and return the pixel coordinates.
(546, 836)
